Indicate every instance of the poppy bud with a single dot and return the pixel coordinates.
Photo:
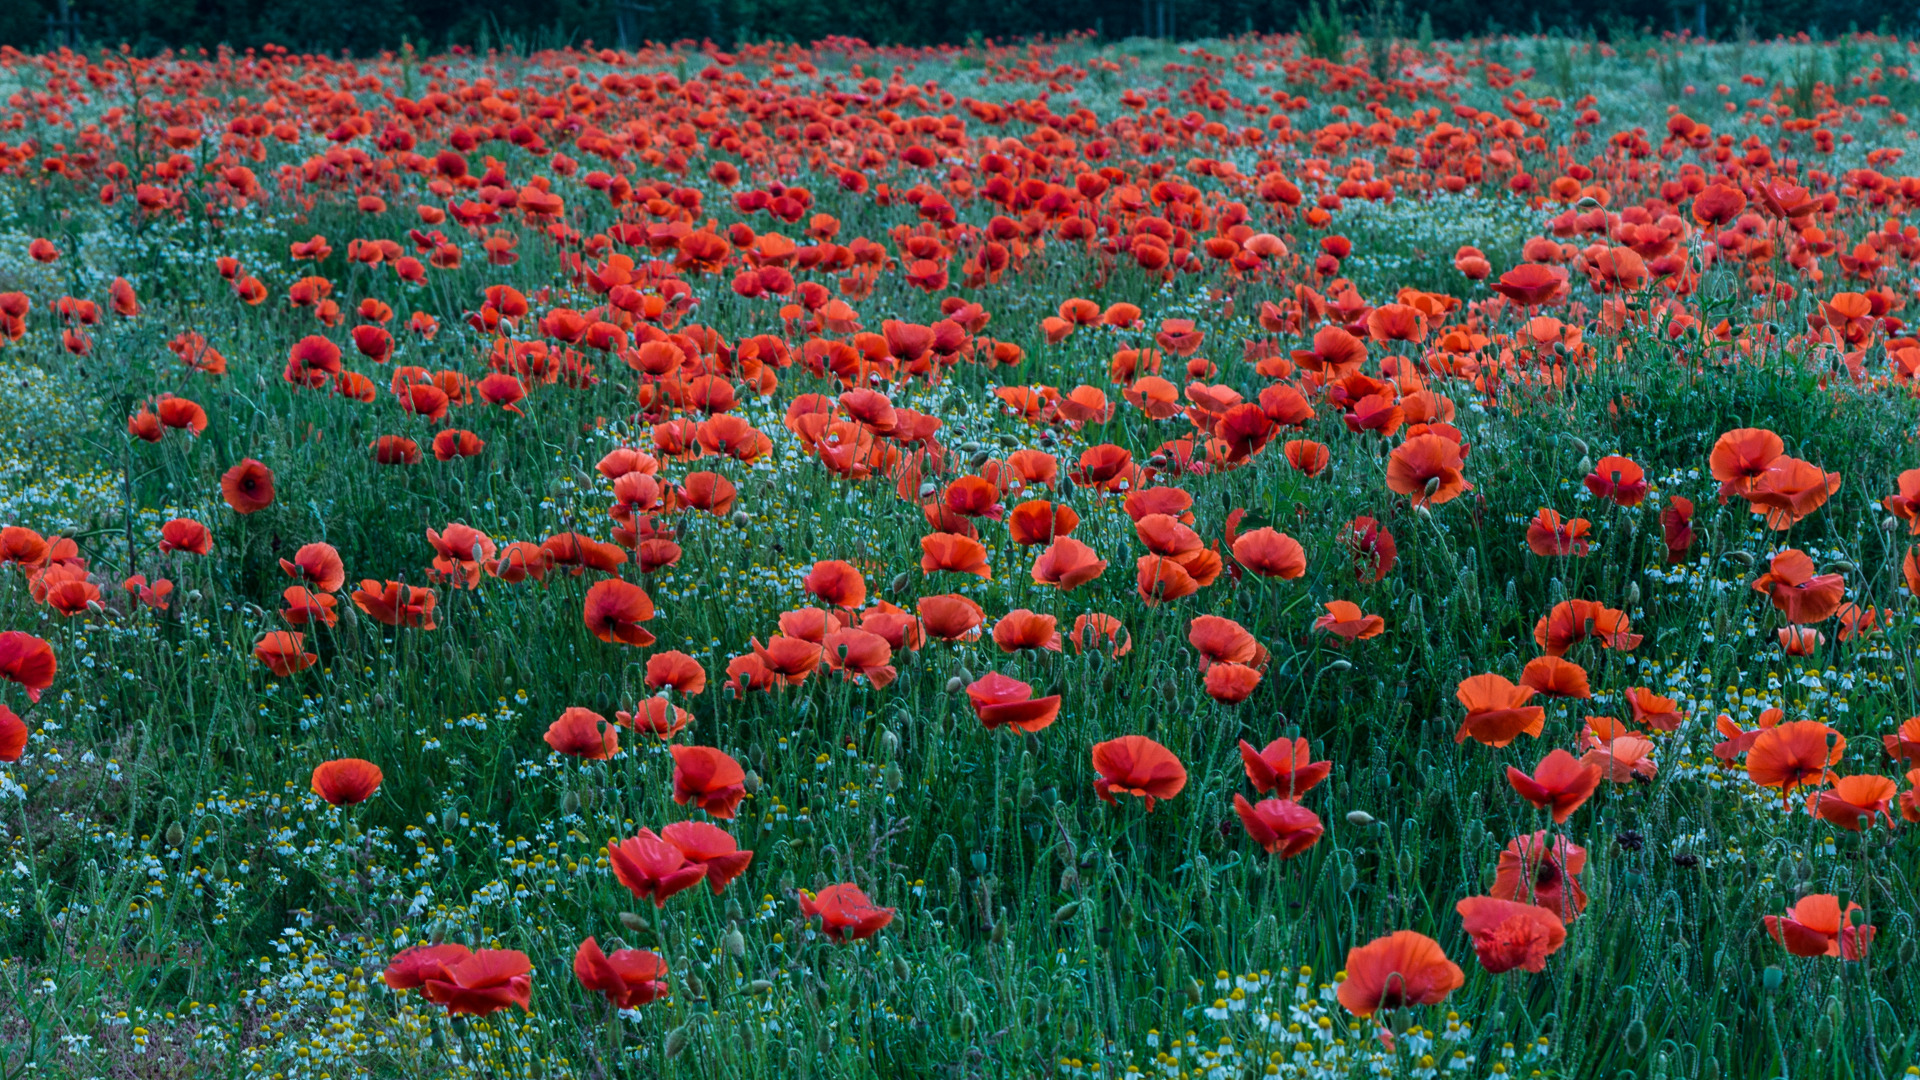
(176, 835)
(1349, 878)
(967, 1021)
(1433, 486)
(741, 519)
(901, 969)
(1888, 524)
(1909, 952)
(633, 922)
(570, 803)
(751, 783)
(955, 685)
(1587, 202)
(1585, 466)
(438, 934)
(889, 743)
(1771, 978)
(735, 943)
(1633, 592)
(963, 674)
(1840, 566)
(1193, 990)
(1359, 818)
(1340, 665)
(1065, 911)
(1742, 557)
(676, 1042)
(927, 490)
(980, 459)
(998, 934)
(891, 774)
(900, 583)
(759, 986)
(1635, 1037)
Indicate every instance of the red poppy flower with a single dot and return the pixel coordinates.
(1281, 826)
(1001, 701)
(13, 735)
(1794, 754)
(1561, 784)
(1554, 676)
(1136, 765)
(282, 652)
(629, 978)
(1497, 710)
(614, 611)
(1269, 553)
(1508, 934)
(655, 716)
(678, 670)
(1816, 926)
(1067, 564)
(1654, 711)
(583, 733)
(1402, 968)
(1792, 586)
(26, 660)
(707, 778)
(1854, 801)
(1428, 469)
(248, 487)
(836, 583)
(845, 912)
(1617, 478)
(1346, 622)
(653, 869)
(318, 565)
(395, 604)
(346, 781)
(951, 551)
(1549, 535)
(482, 983)
(1531, 871)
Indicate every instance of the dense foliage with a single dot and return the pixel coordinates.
(367, 26)
(1059, 559)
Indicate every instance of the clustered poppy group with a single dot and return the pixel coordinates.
(1237, 204)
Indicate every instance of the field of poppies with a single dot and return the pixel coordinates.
(1063, 559)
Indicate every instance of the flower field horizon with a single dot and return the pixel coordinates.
(1277, 556)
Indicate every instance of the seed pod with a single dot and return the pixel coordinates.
(1771, 978)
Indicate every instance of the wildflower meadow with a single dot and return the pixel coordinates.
(1281, 556)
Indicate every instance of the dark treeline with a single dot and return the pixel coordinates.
(368, 26)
